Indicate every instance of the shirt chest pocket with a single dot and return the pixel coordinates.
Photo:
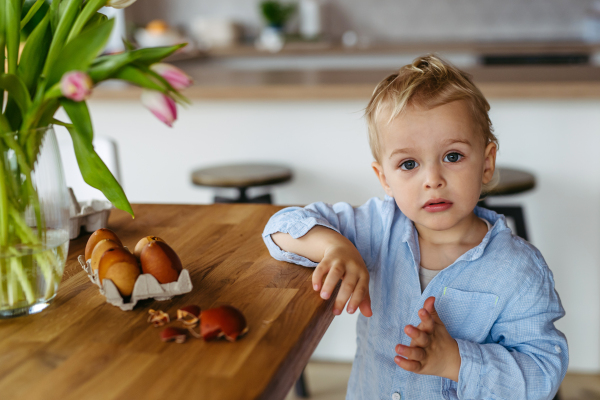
(467, 315)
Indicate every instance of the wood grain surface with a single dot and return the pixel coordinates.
(84, 348)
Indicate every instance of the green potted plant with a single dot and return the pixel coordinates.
(276, 15)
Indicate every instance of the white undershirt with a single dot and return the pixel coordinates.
(426, 275)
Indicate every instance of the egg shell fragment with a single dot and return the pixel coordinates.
(221, 321)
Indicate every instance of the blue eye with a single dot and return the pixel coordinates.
(408, 165)
(453, 157)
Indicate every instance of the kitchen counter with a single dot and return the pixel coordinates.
(556, 82)
(327, 71)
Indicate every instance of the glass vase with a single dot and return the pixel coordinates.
(34, 221)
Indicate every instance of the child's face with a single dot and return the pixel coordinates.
(434, 155)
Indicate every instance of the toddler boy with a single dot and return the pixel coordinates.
(454, 306)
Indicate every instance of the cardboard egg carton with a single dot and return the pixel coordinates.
(91, 214)
(146, 287)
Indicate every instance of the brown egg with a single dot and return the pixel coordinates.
(159, 260)
(221, 321)
(101, 247)
(97, 236)
(121, 267)
(143, 242)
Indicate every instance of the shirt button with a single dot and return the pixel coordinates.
(558, 349)
(396, 396)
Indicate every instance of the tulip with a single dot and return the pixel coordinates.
(119, 3)
(176, 77)
(162, 106)
(76, 85)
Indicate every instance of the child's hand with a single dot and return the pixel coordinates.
(432, 350)
(343, 261)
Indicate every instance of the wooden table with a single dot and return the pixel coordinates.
(83, 348)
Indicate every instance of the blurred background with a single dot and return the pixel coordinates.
(286, 83)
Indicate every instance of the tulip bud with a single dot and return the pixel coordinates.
(76, 85)
(176, 77)
(163, 107)
(119, 3)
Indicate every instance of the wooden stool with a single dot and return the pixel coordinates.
(512, 181)
(242, 177)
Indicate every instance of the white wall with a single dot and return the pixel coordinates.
(325, 144)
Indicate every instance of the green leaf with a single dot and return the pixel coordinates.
(153, 55)
(134, 75)
(67, 13)
(172, 92)
(13, 16)
(16, 90)
(128, 45)
(79, 53)
(90, 8)
(53, 12)
(95, 173)
(34, 55)
(96, 20)
(80, 117)
(106, 67)
(33, 142)
(36, 6)
(2, 43)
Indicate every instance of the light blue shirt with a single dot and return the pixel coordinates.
(497, 300)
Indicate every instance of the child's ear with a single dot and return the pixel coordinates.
(489, 163)
(381, 176)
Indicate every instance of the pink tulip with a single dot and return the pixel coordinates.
(163, 107)
(76, 85)
(176, 77)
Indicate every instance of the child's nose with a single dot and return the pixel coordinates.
(434, 178)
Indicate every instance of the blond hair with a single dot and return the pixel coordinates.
(428, 82)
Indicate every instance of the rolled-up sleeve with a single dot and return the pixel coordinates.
(363, 226)
(528, 357)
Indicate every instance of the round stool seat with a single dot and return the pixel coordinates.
(241, 175)
(512, 181)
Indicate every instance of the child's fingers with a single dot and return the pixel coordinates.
(429, 305)
(336, 272)
(411, 353)
(320, 271)
(408, 365)
(346, 290)
(419, 338)
(427, 324)
(361, 290)
(365, 306)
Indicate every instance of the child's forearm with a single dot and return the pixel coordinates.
(312, 245)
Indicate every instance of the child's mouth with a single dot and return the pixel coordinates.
(436, 205)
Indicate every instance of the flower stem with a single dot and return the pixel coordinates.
(4, 205)
(19, 272)
(2, 280)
